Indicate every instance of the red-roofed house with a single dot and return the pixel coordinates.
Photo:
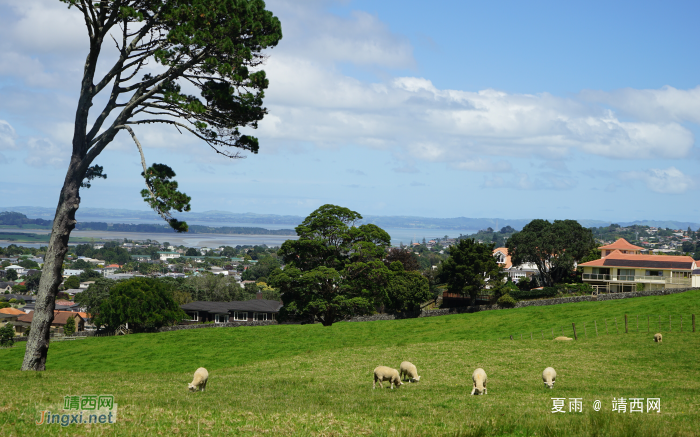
(59, 321)
(625, 269)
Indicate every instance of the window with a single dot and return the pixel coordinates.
(194, 316)
(221, 318)
(240, 316)
(680, 274)
(654, 273)
(260, 317)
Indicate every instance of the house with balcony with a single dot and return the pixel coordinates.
(622, 268)
(514, 272)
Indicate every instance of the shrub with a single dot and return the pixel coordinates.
(7, 335)
(507, 301)
(640, 287)
(69, 329)
(535, 294)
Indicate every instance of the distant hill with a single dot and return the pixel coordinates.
(222, 218)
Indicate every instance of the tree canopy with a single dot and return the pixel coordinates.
(554, 248)
(145, 304)
(335, 269)
(470, 268)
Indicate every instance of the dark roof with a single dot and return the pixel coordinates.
(648, 264)
(24, 297)
(257, 305)
(696, 272)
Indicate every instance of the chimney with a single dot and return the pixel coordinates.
(258, 295)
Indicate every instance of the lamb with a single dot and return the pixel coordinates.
(479, 378)
(200, 380)
(383, 373)
(658, 337)
(563, 339)
(410, 371)
(548, 376)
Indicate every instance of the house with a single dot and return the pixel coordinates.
(235, 311)
(74, 291)
(59, 321)
(142, 258)
(9, 315)
(85, 285)
(19, 269)
(515, 273)
(25, 297)
(6, 287)
(164, 256)
(619, 271)
(71, 272)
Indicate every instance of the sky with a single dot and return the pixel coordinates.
(509, 109)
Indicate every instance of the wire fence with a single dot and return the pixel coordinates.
(626, 324)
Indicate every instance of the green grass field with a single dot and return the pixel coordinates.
(312, 380)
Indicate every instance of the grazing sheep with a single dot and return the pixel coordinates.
(563, 338)
(548, 376)
(383, 373)
(479, 378)
(658, 337)
(410, 371)
(200, 380)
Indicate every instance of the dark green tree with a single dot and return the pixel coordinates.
(554, 248)
(145, 304)
(263, 268)
(7, 335)
(407, 258)
(69, 329)
(334, 270)
(71, 282)
(94, 295)
(192, 252)
(32, 281)
(29, 264)
(406, 290)
(212, 46)
(470, 268)
(11, 274)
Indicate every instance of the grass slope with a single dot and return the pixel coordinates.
(311, 380)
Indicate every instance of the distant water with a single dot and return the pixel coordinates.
(398, 236)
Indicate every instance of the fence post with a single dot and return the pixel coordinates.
(617, 330)
(625, 323)
(669, 323)
(574, 326)
(511, 336)
(637, 323)
(530, 335)
(542, 332)
(606, 326)
(648, 324)
(584, 330)
(596, 327)
(693, 322)
(681, 323)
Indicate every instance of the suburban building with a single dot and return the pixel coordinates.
(622, 268)
(59, 321)
(164, 256)
(235, 311)
(515, 273)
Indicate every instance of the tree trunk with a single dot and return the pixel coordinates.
(51, 274)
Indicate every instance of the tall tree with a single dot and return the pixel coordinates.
(335, 269)
(207, 45)
(554, 248)
(470, 268)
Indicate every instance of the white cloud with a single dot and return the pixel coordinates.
(43, 152)
(666, 181)
(7, 136)
(665, 104)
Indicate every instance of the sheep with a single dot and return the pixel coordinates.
(658, 337)
(383, 373)
(563, 339)
(479, 378)
(410, 371)
(549, 375)
(200, 380)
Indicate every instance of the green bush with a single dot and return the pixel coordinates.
(640, 287)
(7, 335)
(69, 329)
(535, 294)
(507, 301)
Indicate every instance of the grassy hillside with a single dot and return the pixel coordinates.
(311, 380)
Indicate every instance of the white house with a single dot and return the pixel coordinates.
(164, 256)
(21, 271)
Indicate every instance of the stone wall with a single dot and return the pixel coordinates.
(216, 325)
(522, 304)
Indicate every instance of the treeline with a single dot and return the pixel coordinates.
(9, 218)
(196, 229)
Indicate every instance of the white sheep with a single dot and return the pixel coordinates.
(549, 375)
(384, 373)
(199, 382)
(658, 337)
(410, 371)
(563, 339)
(479, 378)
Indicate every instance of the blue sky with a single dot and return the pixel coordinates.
(477, 109)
